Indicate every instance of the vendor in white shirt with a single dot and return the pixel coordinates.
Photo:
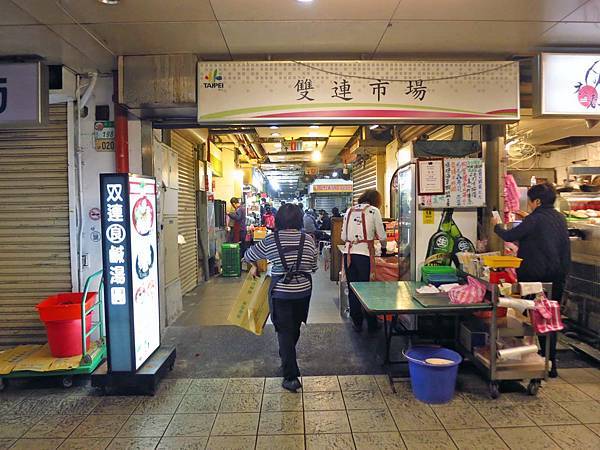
(361, 227)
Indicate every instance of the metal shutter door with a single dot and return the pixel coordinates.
(364, 177)
(328, 202)
(186, 212)
(34, 226)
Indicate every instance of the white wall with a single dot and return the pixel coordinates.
(93, 164)
(560, 160)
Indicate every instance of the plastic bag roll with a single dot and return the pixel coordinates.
(516, 303)
(512, 353)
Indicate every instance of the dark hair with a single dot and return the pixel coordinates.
(335, 212)
(234, 200)
(289, 216)
(372, 197)
(544, 192)
(268, 209)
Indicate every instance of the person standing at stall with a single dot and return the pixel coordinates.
(544, 246)
(361, 227)
(310, 223)
(294, 257)
(238, 216)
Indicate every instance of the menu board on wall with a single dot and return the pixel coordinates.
(464, 180)
(129, 254)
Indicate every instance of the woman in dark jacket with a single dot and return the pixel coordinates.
(294, 257)
(544, 246)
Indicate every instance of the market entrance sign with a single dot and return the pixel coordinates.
(23, 94)
(567, 85)
(358, 91)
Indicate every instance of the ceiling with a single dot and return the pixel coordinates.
(286, 157)
(87, 35)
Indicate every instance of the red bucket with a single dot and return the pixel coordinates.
(61, 315)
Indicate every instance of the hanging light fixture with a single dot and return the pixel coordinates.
(316, 156)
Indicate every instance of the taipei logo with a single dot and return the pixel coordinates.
(214, 80)
(587, 92)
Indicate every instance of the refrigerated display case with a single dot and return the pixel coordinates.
(582, 293)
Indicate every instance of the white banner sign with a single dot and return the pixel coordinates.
(23, 94)
(567, 85)
(358, 91)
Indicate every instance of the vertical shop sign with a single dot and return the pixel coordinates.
(130, 269)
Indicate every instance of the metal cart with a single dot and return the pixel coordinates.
(91, 357)
(496, 372)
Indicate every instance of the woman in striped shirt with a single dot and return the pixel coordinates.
(294, 257)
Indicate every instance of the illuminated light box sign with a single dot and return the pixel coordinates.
(23, 94)
(567, 85)
(358, 91)
(129, 253)
(320, 187)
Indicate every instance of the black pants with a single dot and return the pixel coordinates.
(558, 288)
(287, 316)
(359, 270)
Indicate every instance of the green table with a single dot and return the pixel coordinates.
(392, 298)
(396, 297)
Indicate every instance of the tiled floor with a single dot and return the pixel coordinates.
(345, 412)
(210, 302)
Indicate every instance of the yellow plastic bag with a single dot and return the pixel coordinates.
(251, 308)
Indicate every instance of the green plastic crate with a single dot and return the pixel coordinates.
(426, 271)
(230, 260)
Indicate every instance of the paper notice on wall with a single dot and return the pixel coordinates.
(464, 180)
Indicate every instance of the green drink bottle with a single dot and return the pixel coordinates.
(461, 243)
(441, 244)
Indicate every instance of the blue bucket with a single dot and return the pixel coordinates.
(432, 383)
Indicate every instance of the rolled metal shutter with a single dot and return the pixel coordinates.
(186, 212)
(328, 202)
(364, 176)
(34, 224)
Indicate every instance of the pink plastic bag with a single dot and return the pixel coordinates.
(546, 316)
(472, 292)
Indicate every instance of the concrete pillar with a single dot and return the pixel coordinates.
(495, 169)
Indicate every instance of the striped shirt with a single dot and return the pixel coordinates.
(300, 286)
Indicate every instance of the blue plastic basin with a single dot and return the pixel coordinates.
(432, 383)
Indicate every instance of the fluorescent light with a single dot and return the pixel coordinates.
(372, 127)
(314, 127)
(316, 156)
(275, 134)
(274, 127)
(304, 1)
(116, 2)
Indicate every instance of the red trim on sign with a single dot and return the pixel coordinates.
(377, 113)
(503, 111)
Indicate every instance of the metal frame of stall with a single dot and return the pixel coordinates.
(522, 328)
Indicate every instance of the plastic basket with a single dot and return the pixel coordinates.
(230, 260)
(501, 262)
(428, 271)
